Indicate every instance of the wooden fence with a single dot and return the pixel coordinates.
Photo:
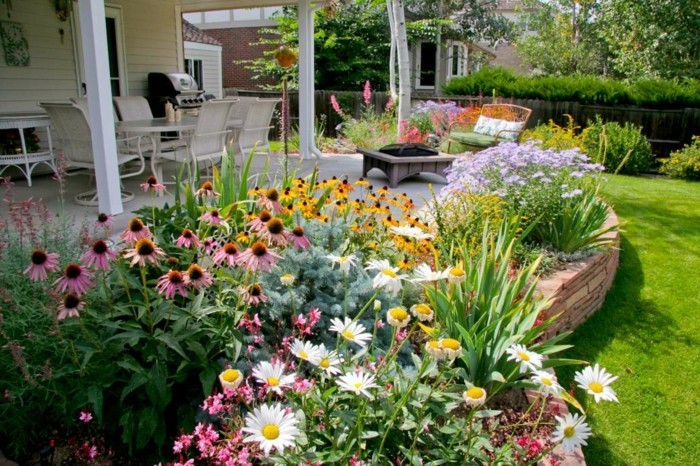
(666, 129)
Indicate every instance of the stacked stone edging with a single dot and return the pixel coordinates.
(579, 291)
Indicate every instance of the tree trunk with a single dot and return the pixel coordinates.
(404, 111)
(392, 52)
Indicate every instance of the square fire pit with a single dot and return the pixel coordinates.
(399, 167)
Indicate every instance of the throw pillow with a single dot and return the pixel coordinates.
(510, 126)
(488, 126)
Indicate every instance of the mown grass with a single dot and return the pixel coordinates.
(648, 331)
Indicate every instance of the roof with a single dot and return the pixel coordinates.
(192, 33)
(509, 5)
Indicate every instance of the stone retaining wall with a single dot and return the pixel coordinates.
(579, 290)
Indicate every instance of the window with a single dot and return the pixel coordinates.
(193, 67)
(457, 60)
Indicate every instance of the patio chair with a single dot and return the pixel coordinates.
(132, 108)
(206, 143)
(73, 131)
(497, 123)
(256, 127)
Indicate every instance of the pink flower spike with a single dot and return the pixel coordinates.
(188, 239)
(42, 263)
(75, 279)
(336, 105)
(228, 254)
(171, 284)
(70, 307)
(98, 256)
(85, 417)
(367, 93)
(134, 231)
(257, 257)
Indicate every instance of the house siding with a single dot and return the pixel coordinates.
(211, 65)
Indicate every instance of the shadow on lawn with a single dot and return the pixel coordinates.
(625, 316)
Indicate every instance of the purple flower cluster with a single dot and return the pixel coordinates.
(425, 108)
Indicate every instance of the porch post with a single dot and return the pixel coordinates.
(104, 145)
(307, 145)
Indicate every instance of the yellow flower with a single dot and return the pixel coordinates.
(451, 347)
(434, 349)
(287, 279)
(423, 312)
(230, 379)
(398, 317)
(474, 396)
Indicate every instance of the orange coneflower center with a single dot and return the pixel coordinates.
(102, 218)
(99, 247)
(71, 301)
(195, 272)
(175, 277)
(151, 180)
(298, 231)
(187, 233)
(135, 225)
(272, 194)
(39, 257)
(173, 260)
(73, 271)
(265, 216)
(230, 249)
(207, 186)
(275, 226)
(214, 213)
(259, 248)
(255, 290)
(145, 247)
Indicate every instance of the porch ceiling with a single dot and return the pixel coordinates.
(207, 5)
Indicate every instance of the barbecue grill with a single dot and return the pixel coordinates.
(408, 150)
(180, 89)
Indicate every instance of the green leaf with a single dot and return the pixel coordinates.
(172, 343)
(96, 399)
(207, 377)
(148, 421)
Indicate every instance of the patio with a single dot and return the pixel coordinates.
(350, 166)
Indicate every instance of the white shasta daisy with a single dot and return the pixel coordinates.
(306, 351)
(398, 317)
(596, 381)
(388, 277)
(455, 274)
(271, 427)
(272, 374)
(329, 360)
(358, 383)
(422, 312)
(230, 379)
(424, 273)
(410, 232)
(529, 360)
(344, 262)
(572, 431)
(547, 383)
(474, 396)
(351, 331)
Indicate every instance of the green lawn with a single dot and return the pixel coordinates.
(648, 331)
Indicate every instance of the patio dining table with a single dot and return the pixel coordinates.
(162, 125)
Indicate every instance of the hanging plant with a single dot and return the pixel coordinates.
(63, 8)
(286, 57)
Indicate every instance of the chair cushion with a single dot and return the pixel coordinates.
(488, 126)
(473, 139)
(510, 126)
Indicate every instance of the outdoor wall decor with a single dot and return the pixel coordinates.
(63, 8)
(14, 43)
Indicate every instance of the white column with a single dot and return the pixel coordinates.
(104, 146)
(307, 145)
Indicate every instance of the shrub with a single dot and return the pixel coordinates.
(622, 149)
(684, 163)
(553, 136)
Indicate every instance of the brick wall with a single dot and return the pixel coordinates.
(237, 45)
(579, 291)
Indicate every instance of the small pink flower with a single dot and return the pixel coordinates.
(171, 284)
(253, 295)
(274, 233)
(85, 417)
(70, 306)
(258, 224)
(401, 335)
(75, 279)
(212, 217)
(143, 251)
(367, 93)
(188, 239)
(299, 240)
(98, 256)
(134, 231)
(197, 277)
(389, 105)
(207, 190)
(336, 105)
(209, 245)
(379, 323)
(42, 263)
(270, 199)
(152, 184)
(257, 257)
(104, 221)
(228, 254)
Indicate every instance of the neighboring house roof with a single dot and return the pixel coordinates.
(509, 5)
(192, 33)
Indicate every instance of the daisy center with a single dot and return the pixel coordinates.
(451, 344)
(271, 432)
(303, 355)
(546, 381)
(230, 375)
(434, 344)
(475, 393)
(358, 385)
(596, 387)
(398, 314)
(348, 334)
(273, 381)
(423, 309)
(456, 272)
(389, 273)
(524, 356)
(569, 431)
(325, 363)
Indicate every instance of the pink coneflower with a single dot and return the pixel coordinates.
(228, 253)
(271, 200)
(197, 277)
(274, 233)
(253, 295)
(188, 239)
(367, 93)
(75, 279)
(299, 239)
(207, 190)
(70, 306)
(143, 251)
(209, 245)
(42, 262)
(104, 221)
(152, 184)
(258, 224)
(172, 283)
(134, 231)
(257, 257)
(98, 256)
(212, 217)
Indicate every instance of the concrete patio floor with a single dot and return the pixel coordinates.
(45, 188)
